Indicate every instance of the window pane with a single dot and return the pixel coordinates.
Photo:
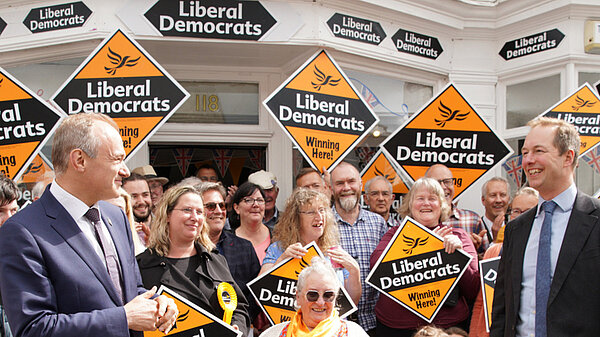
(590, 78)
(216, 102)
(524, 101)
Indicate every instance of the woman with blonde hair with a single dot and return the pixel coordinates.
(181, 256)
(308, 218)
(426, 203)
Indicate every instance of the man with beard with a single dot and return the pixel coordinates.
(379, 197)
(268, 182)
(360, 232)
(139, 190)
(155, 182)
(239, 253)
(459, 218)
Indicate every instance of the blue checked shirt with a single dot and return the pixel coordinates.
(360, 240)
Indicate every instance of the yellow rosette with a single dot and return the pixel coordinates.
(227, 299)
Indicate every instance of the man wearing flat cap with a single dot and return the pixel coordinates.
(155, 182)
(268, 182)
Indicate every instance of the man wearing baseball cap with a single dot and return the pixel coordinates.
(268, 182)
(155, 182)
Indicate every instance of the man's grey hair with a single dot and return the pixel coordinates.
(377, 178)
(76, 132)
(500, 179)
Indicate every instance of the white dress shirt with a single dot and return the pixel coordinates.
(560, 219)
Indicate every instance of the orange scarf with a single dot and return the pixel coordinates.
(327, 327)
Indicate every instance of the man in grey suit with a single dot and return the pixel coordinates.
(549, 275)
(66, 261)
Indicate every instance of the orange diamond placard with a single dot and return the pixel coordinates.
(275, 291)
(36, 170)
(415, 271)
(321, 111)
(27, 123)
(447, 130)
(582, 109)
(122, 80)
(380, 165)
(193, 321)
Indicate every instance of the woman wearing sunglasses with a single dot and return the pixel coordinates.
(316, 297)
(308, 218)
(249, 206)
(181, 256)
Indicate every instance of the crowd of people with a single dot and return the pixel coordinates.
(87, 258)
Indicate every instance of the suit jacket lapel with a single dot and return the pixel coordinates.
(581, 223)
(63, 223)
(519, 239)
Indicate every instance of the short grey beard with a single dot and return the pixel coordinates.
(348, 204)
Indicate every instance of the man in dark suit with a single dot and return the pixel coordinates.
(66, 261)
(549, 273)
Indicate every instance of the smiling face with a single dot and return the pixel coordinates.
(425, 207)
(347, 186)
(546, 169)
(443, 175)
(250, 212)
(314, 312)
(140, 197)
(185, 226)
(271, 197)
(495, 199)
(312, 222)
(215, 218)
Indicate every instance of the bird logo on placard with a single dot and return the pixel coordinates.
(448, 115)
(323, 79)
(413, 243)
(303, 264)
(582, 103)
(181, 318)
(33, 169)
(390, 178)
(119, 61)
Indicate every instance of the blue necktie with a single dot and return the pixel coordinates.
(543, 275)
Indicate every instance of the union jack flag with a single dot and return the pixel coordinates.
(222, 158)
(183, 157)
(255, 157)
(369, 96)
(593, 159)
(514, 168)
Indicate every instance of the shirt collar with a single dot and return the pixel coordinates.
(338, 218)
(75, 207)
(565, 200)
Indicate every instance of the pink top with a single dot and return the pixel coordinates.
(261, 249)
